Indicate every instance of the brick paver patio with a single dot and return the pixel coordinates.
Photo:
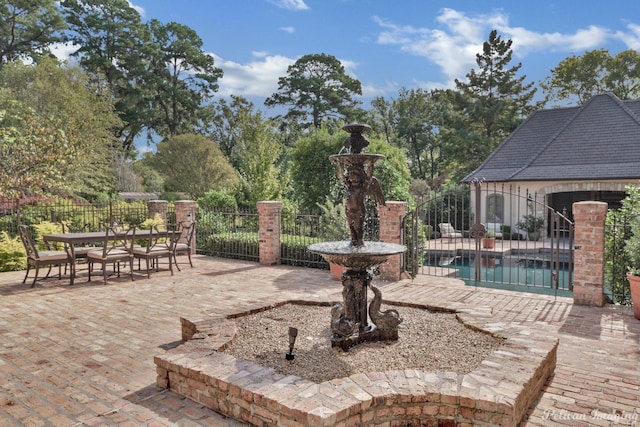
(83, 354)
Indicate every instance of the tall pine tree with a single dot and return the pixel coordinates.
(493, 101)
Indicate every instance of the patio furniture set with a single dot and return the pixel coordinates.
(114, 246)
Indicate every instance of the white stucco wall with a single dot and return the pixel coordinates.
(516, 201)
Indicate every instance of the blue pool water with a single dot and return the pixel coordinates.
(508, 272)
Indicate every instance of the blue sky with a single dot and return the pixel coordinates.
(389, 44)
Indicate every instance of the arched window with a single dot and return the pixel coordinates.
(495, 208)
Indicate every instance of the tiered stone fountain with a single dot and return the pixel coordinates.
(498, 392)
(349, 323)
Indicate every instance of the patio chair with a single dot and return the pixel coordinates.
(37, 259)
(114, 250)
(447, 231)
(155, 249)
(186, 230)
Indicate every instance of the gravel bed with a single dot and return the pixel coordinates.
(427, 341)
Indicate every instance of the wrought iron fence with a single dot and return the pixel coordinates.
(228, 234)
(298, 231)
(617, 232)
(76, 215)
(486, 235)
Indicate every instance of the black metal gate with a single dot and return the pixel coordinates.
(492, 235)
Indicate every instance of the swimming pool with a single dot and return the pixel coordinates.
(532, 272)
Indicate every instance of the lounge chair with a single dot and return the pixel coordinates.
(447, 230)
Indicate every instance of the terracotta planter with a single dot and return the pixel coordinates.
(634, 286)
(488, 262)
(336, 271)
(488, 242)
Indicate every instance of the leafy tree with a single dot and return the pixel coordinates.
(82, 117)
(214, 199)
(227, 122)
(151, 180)
(262, 178)
(493, 99)
(184, 77)
(382, 117)
(416, 132)
(33, 150)
(314, 178)
(192, 164)
(111, 42)
(581, 77)
(28, 28)
(317, 88)
(158, 72)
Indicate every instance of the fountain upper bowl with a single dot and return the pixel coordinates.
(345, 254)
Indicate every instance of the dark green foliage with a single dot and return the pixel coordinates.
(313, 176)
(243, 246)
(578, 78)
(316, 88)
(28, 28)
(218, 200)
(294, 252)
(617, 235)
(490, 103)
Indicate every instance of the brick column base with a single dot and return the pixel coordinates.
(158, 207)
(269, 232)
(588, 279)
(391, 231)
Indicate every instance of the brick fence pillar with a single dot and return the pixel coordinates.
(186, 212)
(269, 232)
(390, 217)
(588, 278)
(158, 207)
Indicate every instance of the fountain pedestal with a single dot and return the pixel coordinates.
(350, 319)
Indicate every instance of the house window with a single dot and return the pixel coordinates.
(495, 208)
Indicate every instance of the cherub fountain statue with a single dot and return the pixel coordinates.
(349, 319)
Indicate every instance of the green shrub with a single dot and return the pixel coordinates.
(244, 246)
(506, 232)
(218, 200)
(47, 227)
(13, 257)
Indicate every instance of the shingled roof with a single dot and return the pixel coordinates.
(599, 140)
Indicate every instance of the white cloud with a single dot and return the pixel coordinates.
(139, 9)
(257, 78)
(289, 30)
(63, 51)
(631, 38)
(290, 4)
(459, 36)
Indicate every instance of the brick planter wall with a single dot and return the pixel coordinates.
(497, 393)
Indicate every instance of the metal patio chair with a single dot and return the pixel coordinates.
(47, 258)
(156, 248)
(186, 230)
(116, 248)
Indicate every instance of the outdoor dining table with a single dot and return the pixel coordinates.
(89, 237)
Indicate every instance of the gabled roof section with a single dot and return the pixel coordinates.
(599, 140)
